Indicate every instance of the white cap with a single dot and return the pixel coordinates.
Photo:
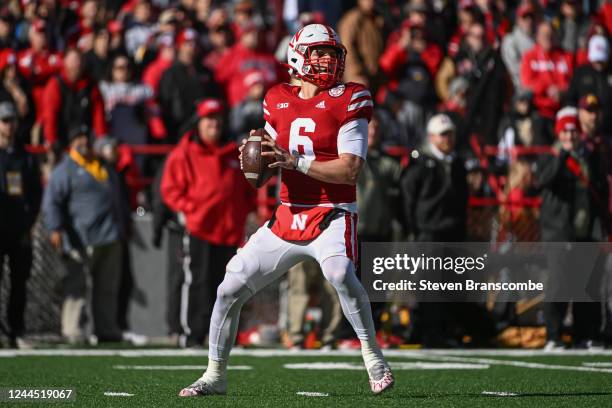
(599, 50)
(439, 124)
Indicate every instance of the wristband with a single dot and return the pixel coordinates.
(303, 164)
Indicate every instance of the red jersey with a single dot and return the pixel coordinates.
(311, 127)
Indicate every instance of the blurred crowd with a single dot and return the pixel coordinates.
(475, 99)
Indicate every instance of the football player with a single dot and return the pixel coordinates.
(317, 133)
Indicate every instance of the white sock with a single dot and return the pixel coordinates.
(216, 370)
(371, 353)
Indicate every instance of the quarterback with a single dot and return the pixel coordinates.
(317, 133)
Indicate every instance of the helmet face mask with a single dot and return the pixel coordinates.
(305, 59)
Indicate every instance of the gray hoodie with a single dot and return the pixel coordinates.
(513, 46)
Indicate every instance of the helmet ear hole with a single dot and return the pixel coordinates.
(294, 60)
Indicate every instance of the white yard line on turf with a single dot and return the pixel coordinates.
(170, 352)
(500, 393)
(176, 367)
(396, 365)
(597, 364)
(312, 394)
(118, 394)
(515, 363)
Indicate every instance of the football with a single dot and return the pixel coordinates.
(254, 165)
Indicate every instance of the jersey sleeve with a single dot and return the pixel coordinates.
(353, 138)
(360, 104)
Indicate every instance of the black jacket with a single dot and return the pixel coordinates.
(180, 88)
(574, 206)
(487, 77)
(434, 197)
(587, 80)
(20, 191)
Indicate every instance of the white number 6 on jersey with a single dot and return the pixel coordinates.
(295, 139)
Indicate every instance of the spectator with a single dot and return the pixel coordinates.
(82, 210)
(6, 29)
(546, 70)
(434, 188)
(495, 21)
(203, 182)
(69, 100)
(124, 103)
(12, 86)
(480, 64)
(151, 77)
(593, 78)
(466, 16)
(37, 64)
(219, 38)
(182, 85)
(456, 109)
(377, 190)
(589, 120)
(378, 197)
(96, 62)
(20, 194)
(519, 41)
(107, 151)
(243, 58)
(167, 22)
(574, 206)
(139, 28)
(249, 113)
(408, 62)
(522, 126)
(573, 26)
(434, 193)
(361, 31)
(304, 278)
(115, 30)
(242, 17)
(515, 217)
(80, 35)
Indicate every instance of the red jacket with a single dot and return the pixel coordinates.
(235, 65)
(396, 56)
(52, 103)
(205, 183)
(151, 76)
(541, 70)
(37, 69)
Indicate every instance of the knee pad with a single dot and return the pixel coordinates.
(235, 280)
(336, 268)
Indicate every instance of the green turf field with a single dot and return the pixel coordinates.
(274, 378)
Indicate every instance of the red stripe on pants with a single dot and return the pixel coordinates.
(348, 236)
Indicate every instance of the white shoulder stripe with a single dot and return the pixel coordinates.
(359, 94)
(264, 103)
(361, 104)
(266, 111)
(271, 131)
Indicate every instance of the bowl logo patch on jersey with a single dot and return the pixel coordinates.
(337, 91)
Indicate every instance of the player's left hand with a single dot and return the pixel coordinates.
(283, 158)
